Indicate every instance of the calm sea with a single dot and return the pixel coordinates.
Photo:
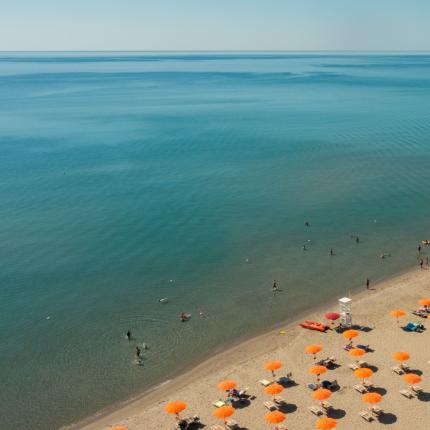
(128, 177)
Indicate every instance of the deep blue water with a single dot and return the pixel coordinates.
(126, 177)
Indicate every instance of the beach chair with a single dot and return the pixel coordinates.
(368, 385)
(408, 394)
(232, 424)
(316, 410)
(417, 389)
(265, 382)
(326, 406)
(360, 388)
(217, 427)
(218, 403)
(314, 386)
(279, 400)
(398, 370)
(366, 415)
(405, 368)
(377, 411)
(270, 405)
(353, 366)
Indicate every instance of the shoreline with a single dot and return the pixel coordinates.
(213, 360)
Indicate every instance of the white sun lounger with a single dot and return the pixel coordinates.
(398, 370)
(366, 415)
(218, 403)
(360, 388)
(316, 410)
(265, 382)
(407, 394)
(269, 405)
(417, 389)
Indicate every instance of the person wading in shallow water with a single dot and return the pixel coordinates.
(128, 334)
(421, 263)
(275, 288)
(368, 283)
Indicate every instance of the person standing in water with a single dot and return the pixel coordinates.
(427, 261)
(331, 251)
(275, 287)
(421, 263)
(367, 283)
(128, 334)
(138, 351)
(357, 239)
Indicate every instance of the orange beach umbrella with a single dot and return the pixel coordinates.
(275, 417)
(363, 373)
(227, 385)
(317, 370)
(350, 334)
(175, 407)
(401, 356)
(223, 412)
(356, 352)
(326, 423)
(371, 398)
(273, 365)
(424, 302)
(274, 389)
(120, 428)
(321, 394)
(397, 313)
(412, 378)
(313, 349)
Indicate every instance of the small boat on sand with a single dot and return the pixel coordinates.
(314, 325)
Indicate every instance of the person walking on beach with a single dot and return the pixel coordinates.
(128, 334)
(367, 283)
(421, 263)
(138, 351)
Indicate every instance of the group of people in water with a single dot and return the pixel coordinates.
(138, 351)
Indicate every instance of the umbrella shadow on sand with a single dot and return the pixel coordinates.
(387, 418)
(424, 397)
(336, 413)
(380, 390)
(287, 408)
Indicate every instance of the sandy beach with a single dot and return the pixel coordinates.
(245, 364)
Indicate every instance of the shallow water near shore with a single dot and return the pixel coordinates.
(127, 177)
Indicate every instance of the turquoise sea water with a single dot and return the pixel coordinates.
(127, 177)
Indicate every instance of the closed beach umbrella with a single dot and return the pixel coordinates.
(397, 313)
(321, 394)
(175, 407)
(313, 349)
(227, 385)
(363, 373)
(275, 417)
(424, 302)
(274, 389)
(350, 334)
(223, 413)
(317, 370)
(412, 378)
(325, 423)
(356, 352)
(401, 356)
(272, 366)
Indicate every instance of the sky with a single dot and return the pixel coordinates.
(364, 25)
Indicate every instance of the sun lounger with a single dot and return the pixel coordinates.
(366, 415)
(407, 394)
(218, 403)
(217, 427)
(279, 400)
(269, 405)
(326, 406)
(417, 389)
(377, 411)
(265, 382)
(360, 388)
(353, 366)
(397, 370)
(232, 424)
(405, 367)
(316, 410)
(313, 386)
(367, 384)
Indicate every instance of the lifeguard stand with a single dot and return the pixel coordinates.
(345, 310)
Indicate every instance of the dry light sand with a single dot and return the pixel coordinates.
(244, 363)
